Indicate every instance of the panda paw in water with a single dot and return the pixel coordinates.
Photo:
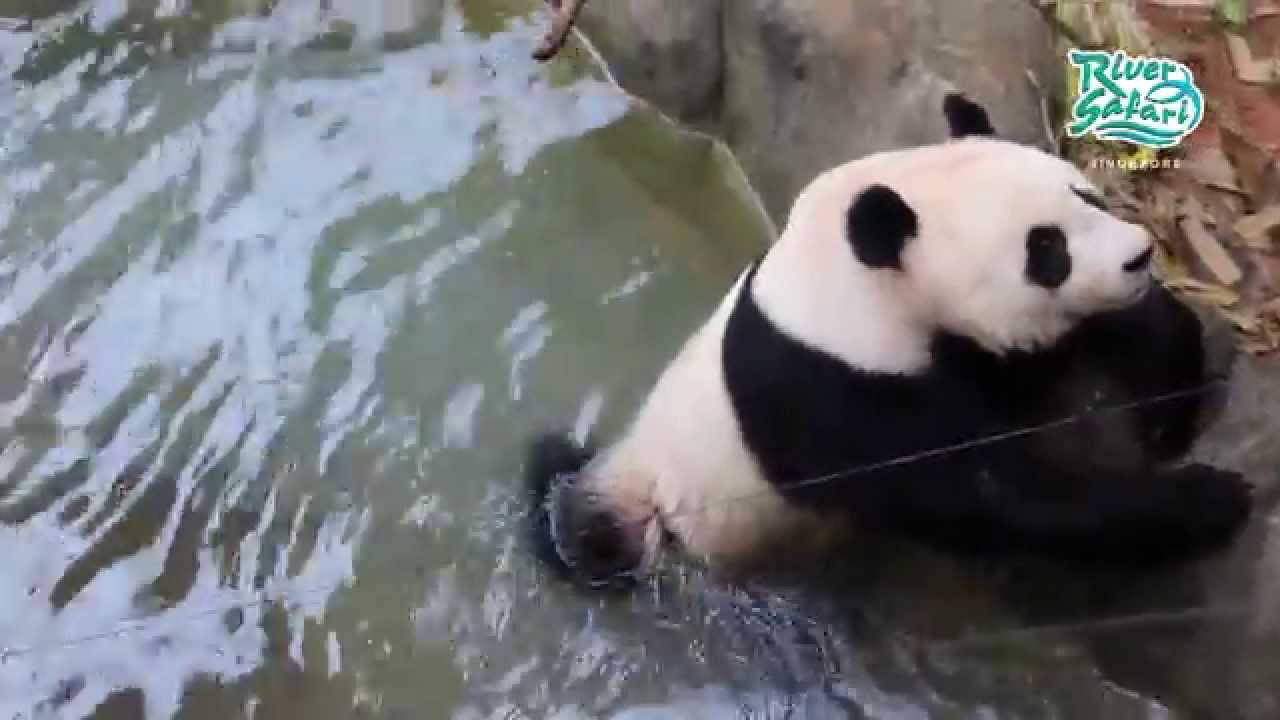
(1212, 505)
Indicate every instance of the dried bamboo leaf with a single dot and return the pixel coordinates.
(1243, 321)
(1109, 24)
(1255, 229)
(1210, 252)
(1210, 166)
(1183, 4)
(1256, 347)
(1218, 295)
(1257, 172)
(1248, 68)
(1270, 309)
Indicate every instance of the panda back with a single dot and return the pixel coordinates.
(684, 457)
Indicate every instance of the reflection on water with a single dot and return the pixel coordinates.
(273, 320)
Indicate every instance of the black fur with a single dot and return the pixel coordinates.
(878, 225)
(586, 543)
(806, 415)
(1090, 198)
(1141, 261)
(1153, 349)
(965, 117)
(1048, 262)
(551, 459)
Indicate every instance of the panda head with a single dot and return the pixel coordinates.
(999, 242)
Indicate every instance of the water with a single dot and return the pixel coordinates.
(274, 324)
(281, 295)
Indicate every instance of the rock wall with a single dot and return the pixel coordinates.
(795, 86)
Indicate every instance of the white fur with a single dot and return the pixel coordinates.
(975, 200)
(682, 462)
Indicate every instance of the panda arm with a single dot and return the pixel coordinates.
(996, 498)
(1162, 514)
(917, 457)
(899, 452)
(1152, 350)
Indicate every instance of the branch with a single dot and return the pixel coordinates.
(565, 15)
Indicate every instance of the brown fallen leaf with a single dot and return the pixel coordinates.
(1155, 214)
(1249, 69)
(565, 14)
(1243, 320)
(1269, 328)
(1209, 165)
(1207, 248)
(1220, 301)
(1268, 274)
(1259, 174)
(1268, 192)
(1256, 9)
(1217, 295)
(1255, 230)
(1257, 348)
(1269, 319)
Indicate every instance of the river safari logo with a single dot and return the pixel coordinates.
(1152, 102)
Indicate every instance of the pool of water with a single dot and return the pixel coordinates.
(281, 295)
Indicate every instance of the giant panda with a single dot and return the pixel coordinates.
(877, 366)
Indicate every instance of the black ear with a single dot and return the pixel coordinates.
(879, 224)
(965, 117)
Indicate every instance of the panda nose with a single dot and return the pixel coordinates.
(1141, 261)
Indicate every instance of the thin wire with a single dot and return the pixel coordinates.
(264, 597)
(944, 450)
(1114, 622)
(1001, 437)
(127, 627)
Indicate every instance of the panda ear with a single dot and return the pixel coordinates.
(878, 225)
(965, 117)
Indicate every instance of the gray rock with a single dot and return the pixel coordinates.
(668, 52)
(798, 86)
(1231, 664)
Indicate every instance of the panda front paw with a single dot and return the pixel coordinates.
(1211, 505)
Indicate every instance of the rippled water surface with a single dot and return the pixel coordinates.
(275, 314)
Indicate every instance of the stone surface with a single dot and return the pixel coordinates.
(795, 87)
(667, 52)
(1201, 637)
(1230, 664)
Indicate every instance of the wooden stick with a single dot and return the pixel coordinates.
(565, 15)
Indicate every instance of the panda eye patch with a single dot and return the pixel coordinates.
(1048, 262)
(1089, 198)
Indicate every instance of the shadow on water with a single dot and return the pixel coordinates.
(283, 288)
